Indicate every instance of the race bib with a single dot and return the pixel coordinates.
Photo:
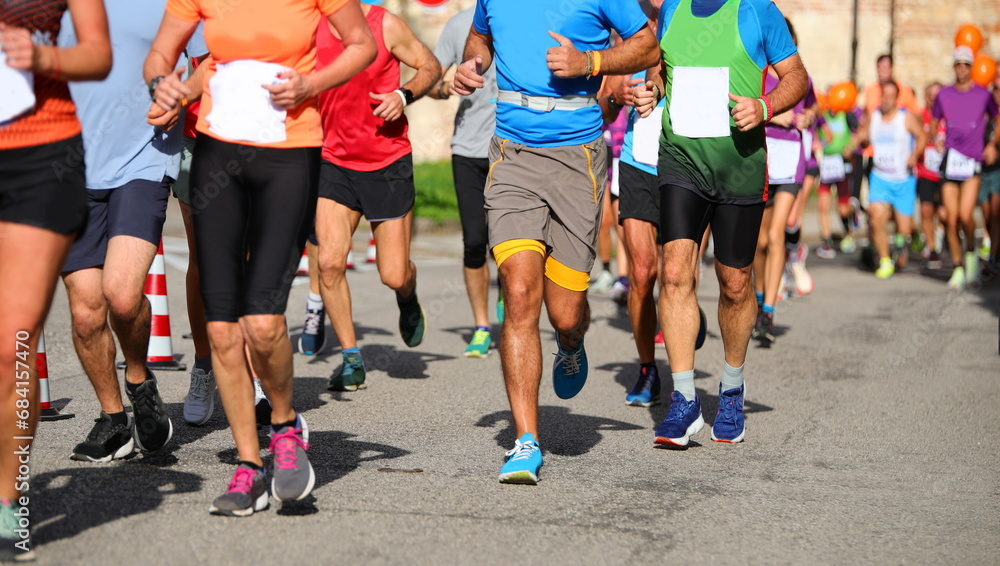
(699, 102)
(241, 108)
(832, 169)
(807, 144)
(932, 159)
(959, 167)
(615, 178)
(17, 91)
(646, 137)
(783, 159)
(890, 158)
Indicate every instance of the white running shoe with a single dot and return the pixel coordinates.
(603, 282)
(957, 281)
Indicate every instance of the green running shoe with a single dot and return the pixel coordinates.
(479, 347)
(351, 376)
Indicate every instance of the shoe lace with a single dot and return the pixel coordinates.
(521, 450)
(570, 360)
(242, 480)
(285, 447)
(677, 410)
(199, 386)
(645, 382)
(727, 410)
(480, 338)
(351, 365)
(145, 399)
(312, 321)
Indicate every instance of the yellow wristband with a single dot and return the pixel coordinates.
(597, 64)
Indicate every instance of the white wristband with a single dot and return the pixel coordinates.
(401, 96)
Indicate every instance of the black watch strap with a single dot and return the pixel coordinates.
(407, 95)
(152, 86)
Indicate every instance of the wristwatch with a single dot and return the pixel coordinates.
(152, 86)
(407, 95)
(614, 105)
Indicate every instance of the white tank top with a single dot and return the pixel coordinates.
(892, 144)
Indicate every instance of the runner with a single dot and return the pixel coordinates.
(836, 131)
(898, 140)
(130, 166)
(367, 170)
(254, 180)
(474, 122)
(929, 180)
(786, 169)
(989, 196)
(712, 168)
(965, 106)
(43, 204)
(544, 191)
(798, 251)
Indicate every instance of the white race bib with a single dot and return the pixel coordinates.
(699, 102)
(890, 158)
(959, 167)
(807, 144)
(615, 179)
(832, 169)
(646, 137)
(932, 159)
(241, 107)
(17, 91)
(783, 159)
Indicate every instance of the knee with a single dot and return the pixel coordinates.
(570, 321)
(394, 277)
(264, 331)
(474, 255)
(518, 297)
(123, 303)
(643, 275)
(225, 337)
(332, 264)
(776, 237)
(734, 285)
(677, 277)
(88, 317)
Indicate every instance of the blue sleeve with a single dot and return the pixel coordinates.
(667, 10)
(479, 18)
(196, 45)
(626, 18)
(778, 44)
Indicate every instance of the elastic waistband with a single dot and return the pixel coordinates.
(546, 103)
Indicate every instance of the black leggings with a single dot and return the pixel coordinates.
(470, 182)
(684, 215)
(250, 207)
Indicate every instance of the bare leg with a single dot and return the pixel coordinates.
(880, 232)
(271, 354)
(477, 284)
(760, 257)
(904, 224)
(235, 388)
(949, 197)
(92, 338)
(522, 275)
(604, 236)
(392, 239)
(736, 312)
(678, 303)
(335, 224)
(195, 306)
(968, 195)
(125, 268)
(823, 200)
(640, 244)
(775, 262)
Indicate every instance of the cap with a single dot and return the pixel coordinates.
(963, 54)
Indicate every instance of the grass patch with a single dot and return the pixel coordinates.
(435, 195)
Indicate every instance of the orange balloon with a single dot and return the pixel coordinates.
(969, 35)
(842, 97)
(984, 70)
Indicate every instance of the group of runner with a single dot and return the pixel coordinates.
(294, 129)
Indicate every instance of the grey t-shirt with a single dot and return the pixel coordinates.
(476, 117)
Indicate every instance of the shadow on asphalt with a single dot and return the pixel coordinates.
(566, 433)
(73, 500)
(400, 363)
(332, 345)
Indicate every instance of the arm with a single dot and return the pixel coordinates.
(477, 57)
(792, 85)
(88, 60)
(410, 51)
(610, 85)
(170, 40)
(359, 51)
(646, 95)
(990, 151)
(166, 119)
(443, 89)
(632, 55)
(916, 129)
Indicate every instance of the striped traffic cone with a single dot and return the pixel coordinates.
(303, 263)
(48, 412)
(160, 354)
(370, 254)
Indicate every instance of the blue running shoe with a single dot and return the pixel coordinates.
(313, 338)
(728, 426)
(569, 372)
(702, 329)
(683, 419)
(523, 462)
(646, 392)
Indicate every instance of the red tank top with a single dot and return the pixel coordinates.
(353, 137)
(54, 117)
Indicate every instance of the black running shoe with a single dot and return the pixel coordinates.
(153, 428)
(411, 322)
(758, 325)
(767, 334)
(106, 441)
(262, 406)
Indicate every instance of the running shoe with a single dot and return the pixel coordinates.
(658, 339)
(683, 420)
(247, 493)
(957, 281)
(934, 260)
(847, 245)
(826, 251)
(917, 244)
(200, 401)
(411, 322)
(984, 249)
(313, 338)
(351, 375)
(728, 425)
(988, 269)
(646, 392)
(619, 292)
(569, 371)
(105, 442)
(702, 330)
(767, 330)
(797, 267)
(500, 309)
(479, 347)
(522, 463)
(261, 404)
(153, 428)
(293, 476)
(15, 538)
(885, 268)
(758, 325)
(602, 284)
(972, 270)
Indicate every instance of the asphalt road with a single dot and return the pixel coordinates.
(872, 438)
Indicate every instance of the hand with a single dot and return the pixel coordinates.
(803, 121)
(446, 89)
(469, 77)
(785, 119)
(912, 161)
(748, 112)
(565, 60)
(643, 98)
(939, 146)
(391, 107)
(624, 94)
(291, 93)
(17, 46)
(990, 154)
(171, 92)
(163, 119)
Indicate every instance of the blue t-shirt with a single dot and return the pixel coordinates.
(119, 146)
(520, 40)
(762, 27)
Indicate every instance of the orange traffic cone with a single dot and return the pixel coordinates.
(370, 254)
(48, 412)
(303, 264)
(160, 353)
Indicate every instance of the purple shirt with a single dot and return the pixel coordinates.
(966, 114)
(790, 134)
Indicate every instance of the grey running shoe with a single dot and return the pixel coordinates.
(200, 401)
(153, 428)
(293, 474)
(247, 493)
(105, 442)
